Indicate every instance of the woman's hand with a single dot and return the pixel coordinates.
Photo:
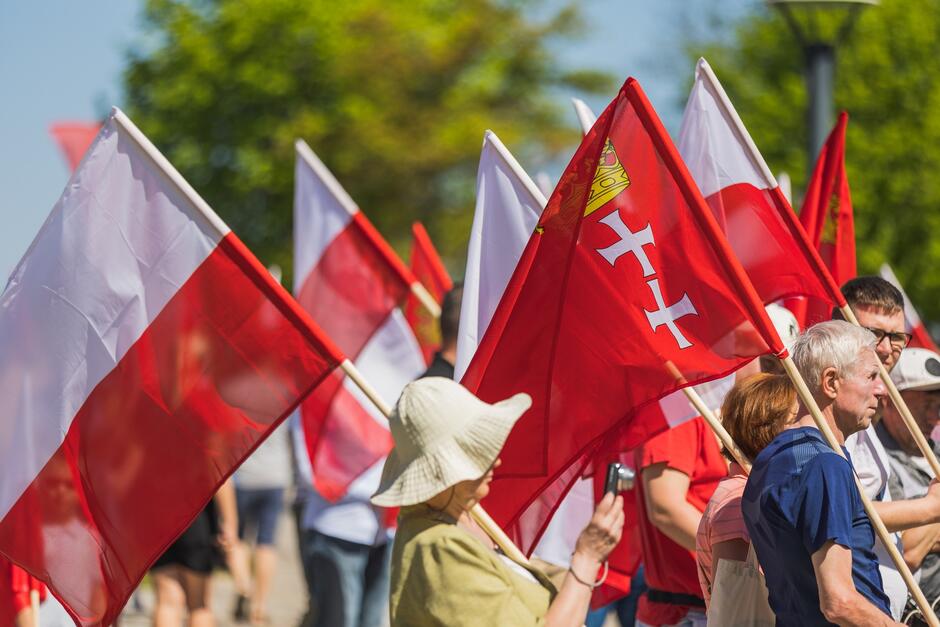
(603, 533)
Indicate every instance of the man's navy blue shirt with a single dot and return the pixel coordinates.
(801, 494)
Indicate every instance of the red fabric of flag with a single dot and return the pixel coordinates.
(752, 211)
(74, 138)
(351, 283)
(146, 354)
(827, 217)
(627, 292)
(428, 268)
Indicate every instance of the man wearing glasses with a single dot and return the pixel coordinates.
(879, 307)
(917, 376)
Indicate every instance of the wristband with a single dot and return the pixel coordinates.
(597, 583)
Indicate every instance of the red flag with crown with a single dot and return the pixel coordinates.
(827, 217)
(427, 267)
(626, 292)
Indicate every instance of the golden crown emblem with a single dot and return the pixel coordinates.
(609, 180)
(830, 230)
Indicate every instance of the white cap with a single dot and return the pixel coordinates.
(785, 322)
(917, 369)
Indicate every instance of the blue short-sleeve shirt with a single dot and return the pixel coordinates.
(801, 494)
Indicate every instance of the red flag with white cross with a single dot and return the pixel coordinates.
(626, 292)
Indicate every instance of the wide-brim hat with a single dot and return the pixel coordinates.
(443, 435)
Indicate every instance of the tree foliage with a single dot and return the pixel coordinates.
(885, 79)
(393, 95)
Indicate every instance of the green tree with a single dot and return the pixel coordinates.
(393, 95)
(885, 79)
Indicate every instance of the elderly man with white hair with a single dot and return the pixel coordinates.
(801, 505)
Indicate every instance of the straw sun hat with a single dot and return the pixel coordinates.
(443, 435)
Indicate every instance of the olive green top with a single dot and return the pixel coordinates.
(442, 575)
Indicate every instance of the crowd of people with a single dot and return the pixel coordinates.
(791, 518)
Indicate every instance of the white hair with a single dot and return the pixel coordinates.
(831, 344)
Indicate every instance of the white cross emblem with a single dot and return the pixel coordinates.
(668, 315)
(629, 242)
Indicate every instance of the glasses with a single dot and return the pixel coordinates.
(898, 339)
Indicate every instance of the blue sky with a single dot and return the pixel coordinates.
(62, 60)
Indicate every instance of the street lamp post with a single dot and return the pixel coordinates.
(819, 26)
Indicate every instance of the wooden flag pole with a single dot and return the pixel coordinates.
(705, 411)
(483, 519)
(810, 403)
(34, 605)
(717, 427)
(427, 301)
(899, 403)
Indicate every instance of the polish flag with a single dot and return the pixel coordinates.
(351, 282)
(912, 319)
(74, 138)
(146, 354)
(743, 194)
(427, 267)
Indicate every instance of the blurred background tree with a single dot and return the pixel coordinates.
(885, 79)
(393, 95)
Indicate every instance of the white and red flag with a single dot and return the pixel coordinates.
(508, 205)
(146, 353)
(749, 206)
(912, 321)
(427, 267)
(352, 283)
(626, 292)
(74, 138)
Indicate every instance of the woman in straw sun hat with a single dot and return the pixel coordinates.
(445, 569)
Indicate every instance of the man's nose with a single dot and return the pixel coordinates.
(880, 390)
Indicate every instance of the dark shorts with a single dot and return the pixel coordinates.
(197, 548)
(258, 510)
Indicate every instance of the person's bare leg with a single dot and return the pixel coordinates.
(198, 594)
(265, 560)
(170, 598)
(238, 565)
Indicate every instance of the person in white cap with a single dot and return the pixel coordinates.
(445, 569)
(917, 376)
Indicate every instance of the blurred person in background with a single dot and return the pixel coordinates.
(345, 547)
(443, 363)
(678, 472)
(182, 575)
(15, 588)
(260, 483)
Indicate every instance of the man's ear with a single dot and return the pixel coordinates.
(829, 382)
